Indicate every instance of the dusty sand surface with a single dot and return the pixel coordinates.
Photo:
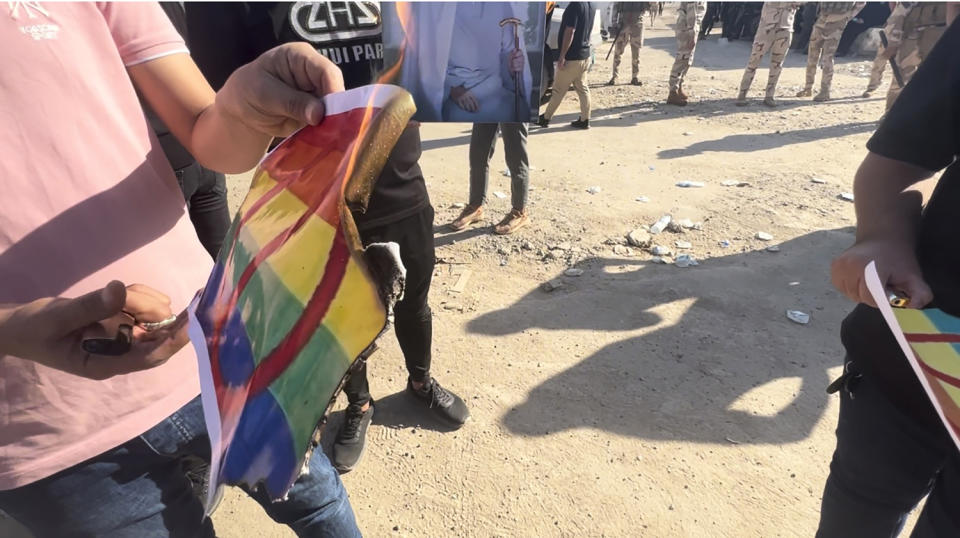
(638, 399)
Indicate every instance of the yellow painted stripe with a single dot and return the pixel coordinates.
(939, 356)
(914, 321)
(952, 392)
(356, 315)
(300, 262)
(274, 217)
(262, 182)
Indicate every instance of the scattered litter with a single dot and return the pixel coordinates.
(643, 199)
(506, 172)
(675, 227)
(685, 260)
(651, 167)
(848, 196)
(660, 225)
(639, 238)
(764, 236)
(504, 261)
(499, 194)
(552, 285)
(459, 205)
(687, 133)
(594, 190)
(773, 248)
(797, 316)
(731, 441)
(658, 250)
(683, 245)
(690, 184)
(734, 183)
(724, 243)
(461, 283)
(573, 271)
(818, 180)
(621, 250)
(794, 283)
(453, 306)
(658, 259)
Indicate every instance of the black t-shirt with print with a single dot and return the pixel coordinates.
(226, 35)
(579, 16)
(923, 129)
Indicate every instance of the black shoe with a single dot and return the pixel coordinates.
(446, 405)
(543, 122)
(612, 82)
(580, 124)
(546, 97)
(636, 82)
(352, 437)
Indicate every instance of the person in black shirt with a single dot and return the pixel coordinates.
(575, 28)
(892, 449)
(227, 35)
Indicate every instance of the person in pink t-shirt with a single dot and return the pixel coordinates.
(90, 444)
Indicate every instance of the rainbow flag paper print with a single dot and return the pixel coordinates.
(294, 298)
(930, 339)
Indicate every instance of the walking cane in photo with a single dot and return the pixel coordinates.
(517, 77)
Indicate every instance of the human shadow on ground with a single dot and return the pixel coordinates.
(678, 381)
(745, 143)
(445, 236)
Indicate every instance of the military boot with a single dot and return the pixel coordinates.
(741, 99)
(676, 99)
(806, 92)
(683, 94)
(824, 95)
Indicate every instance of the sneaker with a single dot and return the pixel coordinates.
(470, 215)
(514, 220)
(635, 82)
(822, 96)
(612, 81)
(770, 102)
(543, 121)
(352, 437)
(806, 92)
(676, 99)
(580, 124)
(446, 405)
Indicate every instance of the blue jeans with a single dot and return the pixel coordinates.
(139, 489)
(884, 464)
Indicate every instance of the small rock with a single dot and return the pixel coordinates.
(499, 194)
(764, 236)
(459, 205)
(848, 196)
(690, 184)
(594, 190)
(639, 238)
(683, 245)
(552, 285)
(689, 224)
(504, 261)
(658, 259)
(651, 167)
(675, 227)
(685, 260)
(797, 316)
(724, 243)
(687, 133)
(658, 250)
(527, 245)
(616, 241)
(506, 172)
(642, 199)
(734, 183)
(818, 180)
(453, 306)
(621, 250)
(573, 271)
(773, 248)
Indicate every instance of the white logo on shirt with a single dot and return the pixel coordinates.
(33, 10)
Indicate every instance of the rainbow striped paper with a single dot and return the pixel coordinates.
(930, 340)
(293, 300)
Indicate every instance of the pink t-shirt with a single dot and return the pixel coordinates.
(86, 196)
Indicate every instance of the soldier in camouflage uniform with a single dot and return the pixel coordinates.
(628, 18)
(774, 34)
(922, 28)
(894, 32)
(689, 16)
(832, 19)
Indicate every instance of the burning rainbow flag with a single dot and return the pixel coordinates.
(294, 299)
(930, 340)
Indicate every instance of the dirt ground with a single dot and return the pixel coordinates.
(638, 399)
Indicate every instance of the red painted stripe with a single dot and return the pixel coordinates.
(946, 378)
(923, 338)
(302, 331)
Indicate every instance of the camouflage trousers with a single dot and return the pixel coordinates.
(632, 34)
(777, 41)
(687, 29)
(880, 65)
(823, 46)
(915, 47)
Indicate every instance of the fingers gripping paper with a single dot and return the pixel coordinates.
(930, 339)
(294, 299)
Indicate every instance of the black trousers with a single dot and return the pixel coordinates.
(206, 195)
(413, 319)
(885, 463)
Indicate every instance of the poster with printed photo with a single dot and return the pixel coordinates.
(466, 61)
